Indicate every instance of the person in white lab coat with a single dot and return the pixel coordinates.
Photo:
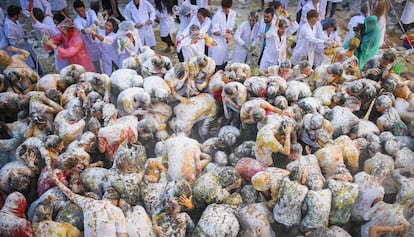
(245, 39)
(407, 16)
(128, 42)
(203, 21)
(142, 13)
(330, 30)
(222, 26)
(165, 16)
(355, 20)
(309, 43)
(15, 34)
(3, 40)
(193, 45)
(107, 40)
(185, 13)
(86, 22)
(43, 5)
(276, 43)
(44, 25)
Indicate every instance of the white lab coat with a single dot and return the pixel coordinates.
(306, 8)
(48, 27)
(139, 16)
(204, 27)
(309, 44)
(190, 50)
(167, 24)
(130, 47)
(333, 36)
(3, 40)
(407, 16)
(1, 17)
(245, 35)
(275, 50)
(322, 9)
(220, 52)
(202, 3)
(382, 27)
(15, 35)
(185, 21)
(43, 5)
(91, 46)
(108, 48)
(58, 5)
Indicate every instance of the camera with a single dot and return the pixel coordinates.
(360, 27)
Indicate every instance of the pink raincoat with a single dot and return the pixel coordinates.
(73, 49)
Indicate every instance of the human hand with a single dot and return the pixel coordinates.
(148, 22)
(138, 26)
(186, 202)
(287, 128)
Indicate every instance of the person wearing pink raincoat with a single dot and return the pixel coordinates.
(73, 49)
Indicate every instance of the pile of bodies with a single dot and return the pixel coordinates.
(158, 149)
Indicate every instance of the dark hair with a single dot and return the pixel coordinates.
(226, 3)
(312, 14)
(52, 141)
(254, 14)
(389, 56)
(270, 10)
(78, 4)
(13, 10)
(276, 4)
(114, 24)
(204, 12)
(53, 94)
(38, 14)
(59, 17)
(96, 6)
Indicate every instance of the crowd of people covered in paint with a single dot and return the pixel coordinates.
(282, 125)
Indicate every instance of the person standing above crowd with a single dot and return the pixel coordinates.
(86, 22)
(245, 39)
(164, 13)
(309, 43)
(43, 5)
(222, 26)
(142, 13)
(107, 40)
(73, 49)
(185, 13)
(276, 43)
(15, 34)
(407, 16)
(354, 21)
(129, 42)
(45, 25)
(330, 30)
(381, 11)
(369, 35)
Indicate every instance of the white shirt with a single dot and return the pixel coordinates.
(43, 5)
